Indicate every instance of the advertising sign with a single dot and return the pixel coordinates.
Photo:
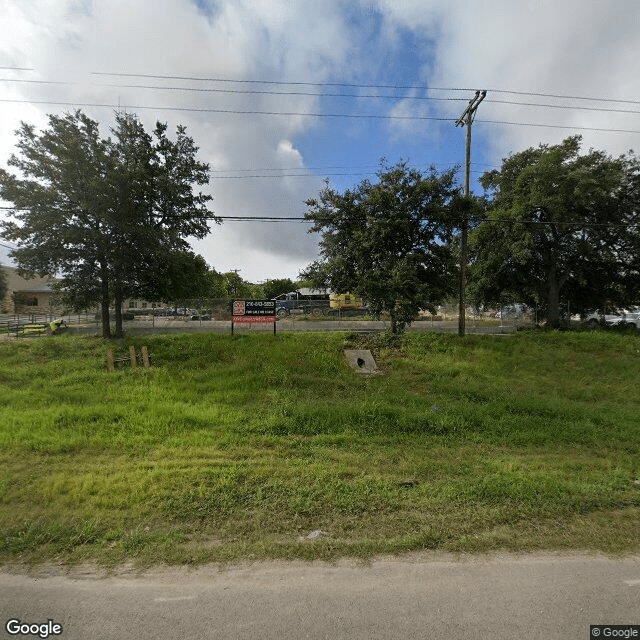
(254, 311)
(254, 308)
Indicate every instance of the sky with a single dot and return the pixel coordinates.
(281, 95)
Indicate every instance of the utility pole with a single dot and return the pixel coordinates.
(466, 119)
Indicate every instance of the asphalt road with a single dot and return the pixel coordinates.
(433, 596)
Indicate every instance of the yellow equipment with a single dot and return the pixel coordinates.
(344, 301)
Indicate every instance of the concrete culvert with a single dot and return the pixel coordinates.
(361, 360)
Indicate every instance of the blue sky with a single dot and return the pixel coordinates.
(169, 58)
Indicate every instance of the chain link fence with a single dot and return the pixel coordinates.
(310, 315)
(29, 324)
(215, 315)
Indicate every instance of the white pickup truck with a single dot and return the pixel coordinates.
(624, 317)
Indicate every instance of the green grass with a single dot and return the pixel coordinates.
(238, 447)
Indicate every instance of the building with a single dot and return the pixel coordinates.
(35, 295)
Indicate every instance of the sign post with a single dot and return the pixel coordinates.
(254, 311)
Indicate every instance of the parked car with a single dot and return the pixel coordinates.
(126, 315)
(624, 317)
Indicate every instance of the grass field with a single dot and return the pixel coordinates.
(240, 447)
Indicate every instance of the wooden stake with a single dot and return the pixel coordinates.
(132, 356)
(110, 364)
(145, 357)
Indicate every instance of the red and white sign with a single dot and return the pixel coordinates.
(254, 311)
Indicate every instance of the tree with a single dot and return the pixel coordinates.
(559, 227)
(181, 275)
(388, 242)
(274, 288)
(217, 284)
(103, 213)
(236, 287)
(155, 209)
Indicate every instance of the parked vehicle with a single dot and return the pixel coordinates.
(126, 315)
(304, 301)
(624, 317)
(318, 303)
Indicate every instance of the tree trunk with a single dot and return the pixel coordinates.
(118, 308)
(394, 322)
(104, 304)
(553, 301)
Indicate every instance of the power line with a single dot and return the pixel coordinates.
(213, 217)
(357, 96)
(232, 91)
(563, 96)
(557, 223)
(488, 220)
(320, 168)
(565, 106)
(303, 175)
(272, 82)
(226, 111)
(557, 126)
(311, 115)
(264, 218)
(359, 166)
(293, 175)
(248, 218)
(361, 86)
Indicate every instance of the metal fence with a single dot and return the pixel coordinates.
(195, 313)
(28, 324)
(215, 315)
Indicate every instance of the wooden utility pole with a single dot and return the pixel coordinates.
(466, 119)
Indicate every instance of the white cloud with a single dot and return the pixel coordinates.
(290, 157)
(404, 127)
(572, 47)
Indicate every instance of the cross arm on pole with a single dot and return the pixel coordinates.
(470, 111)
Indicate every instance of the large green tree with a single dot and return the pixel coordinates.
(560, 227)
(102, 213)
(278, 286)
(182, 275)
(236, 287)
(389, 241)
